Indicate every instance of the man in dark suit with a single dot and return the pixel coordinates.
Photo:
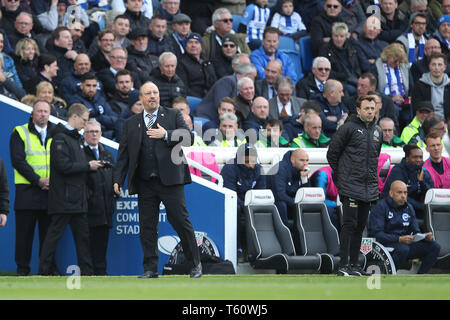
(266, 87)
(145, 154)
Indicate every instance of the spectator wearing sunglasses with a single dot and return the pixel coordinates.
(222, 63)
(222, 25)
(312, 84)
(321, 25)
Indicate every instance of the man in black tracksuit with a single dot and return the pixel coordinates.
(353, 156)
(67, 200)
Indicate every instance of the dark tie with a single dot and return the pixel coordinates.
(151, 120)
(95, 150)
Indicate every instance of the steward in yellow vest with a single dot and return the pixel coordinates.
(30, 157)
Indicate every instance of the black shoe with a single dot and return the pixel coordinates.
(347, 271)
(22, 273)
(148, 275)
(196, 271)
(357, 269)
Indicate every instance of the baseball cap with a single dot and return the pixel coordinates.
(181, 17)
(230, 38)
(424, 105)
(195, 36)
(137, 32)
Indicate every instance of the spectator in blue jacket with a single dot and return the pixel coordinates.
(269, 51)
(96, 103)
(410, 170)
(393, 223)
(243, 174)
(285, 178)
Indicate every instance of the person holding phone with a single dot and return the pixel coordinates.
(418, 180)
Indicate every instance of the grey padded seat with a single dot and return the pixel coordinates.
(315, 234)
(437, 220)
(269, 241)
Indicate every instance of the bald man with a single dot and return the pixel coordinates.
(259, 114)
(285, 179)
(145, 154)
(266, 87)
(393, 223)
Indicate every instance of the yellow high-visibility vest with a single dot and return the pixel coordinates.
(37, 156)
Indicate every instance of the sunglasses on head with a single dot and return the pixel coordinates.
(334, 6)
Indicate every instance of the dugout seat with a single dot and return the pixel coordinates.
(269, 241)
(437, 220)
(314, 232)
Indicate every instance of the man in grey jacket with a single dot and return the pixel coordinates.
(434, 86)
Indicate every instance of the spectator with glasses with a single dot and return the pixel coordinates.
(390, 140)
(321, 25)
(100, 60)
(313, 83)
(222, 25)
(222, 63)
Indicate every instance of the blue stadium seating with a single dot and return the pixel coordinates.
(305, 53)
(193, 102)
(237, 18)
(287, 43)
(296, 59)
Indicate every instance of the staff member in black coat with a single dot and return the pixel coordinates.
(29, 146)
(353, 156)
(145, 154)
(68, 190)
(100, 196)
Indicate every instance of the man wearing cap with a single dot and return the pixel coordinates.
(413, 132)
(434, 86)
(181, 26)
(223, 62)
(196, 72)
(243, 174)
(158, 40)
(442, 33)
(414, 40)
(139, 60)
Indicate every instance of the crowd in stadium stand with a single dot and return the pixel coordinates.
(235, 66)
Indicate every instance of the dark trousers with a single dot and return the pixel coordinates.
(80, 230)
(98, 240)
(354, 221)
(151, 193)
(426, 251)
(25, 225)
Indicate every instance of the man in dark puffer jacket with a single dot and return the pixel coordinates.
(353, 156)
(169, 83)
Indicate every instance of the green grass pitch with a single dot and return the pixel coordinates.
(237, 287)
